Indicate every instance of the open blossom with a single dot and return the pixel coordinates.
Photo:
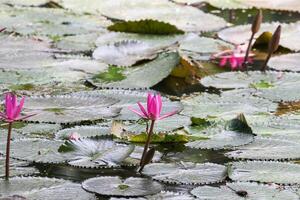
(234, 57)
(13, 109)
(153, 111)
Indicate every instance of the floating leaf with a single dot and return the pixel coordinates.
(186, 172)
(163, 195)
(36, 150)
(147, 26)
(227, 105)
(201, 48)
(287, 62)
(240, 34)
(183, 17)
(255, 79)
(17, 168)
(84, 131)
(65, 191)
(135, 76)
(240, 190)
(267, 149)
(125, 53)
(115, 186)
(235, 133)
(70, 108)
(21, 185)
(266, 172)
(135, 157)
(98, 154)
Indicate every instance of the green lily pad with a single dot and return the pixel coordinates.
(287, 62)
(36, 150)
(183, 17)
(243, 190)
(201, 48)
(186, 173)
(241, 34)
(257, 79)
(125, 53)
(84, 132)
(267, 149)
(146, 26)
(17, 168)
(163, 195)
(115, 186)
(155, 71)
(266, 172)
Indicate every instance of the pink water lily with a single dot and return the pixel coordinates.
(11, 114)
(74, 136)
(152, 113)
(234, 58)
(154, 107)
(13, 109)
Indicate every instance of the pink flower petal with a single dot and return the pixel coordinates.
(8, 105)
(138, 113)
(25, 117)
(233, 62)
(223, 61)
(149, 102)
(168, 115)
(19, 108)
(142, 109)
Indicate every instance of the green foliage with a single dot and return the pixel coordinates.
(262, 84)
(113, 74)
(147, 26)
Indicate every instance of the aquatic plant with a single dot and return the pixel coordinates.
(152, 113)
(12, 113)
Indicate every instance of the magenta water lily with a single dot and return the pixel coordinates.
(151, 113)
(12, 113)
(235, 58)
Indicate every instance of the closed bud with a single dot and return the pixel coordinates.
(256, 22)
(274, 42)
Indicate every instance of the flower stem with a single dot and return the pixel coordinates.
(245, 63)
(147, 145)
(7, 151)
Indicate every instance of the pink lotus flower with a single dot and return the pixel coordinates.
(74, 136)
(154, 106)
(234, 57)
(12, 109)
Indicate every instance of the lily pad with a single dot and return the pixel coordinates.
(36, 150)
(240, 191)
(125, 53)
(155, 71)
(267, 149)
(183, 17)
(20, 185)
(17, 168)
(266, 172)
(186, 173)
(252, 79)
(241, 34)
(43, 188)
(163, 195)
(66, 191)
(115, 186)
(227, 105)
(201, 48)
(146, 26)
(70, 108)
(84, 132)
(287, 62)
